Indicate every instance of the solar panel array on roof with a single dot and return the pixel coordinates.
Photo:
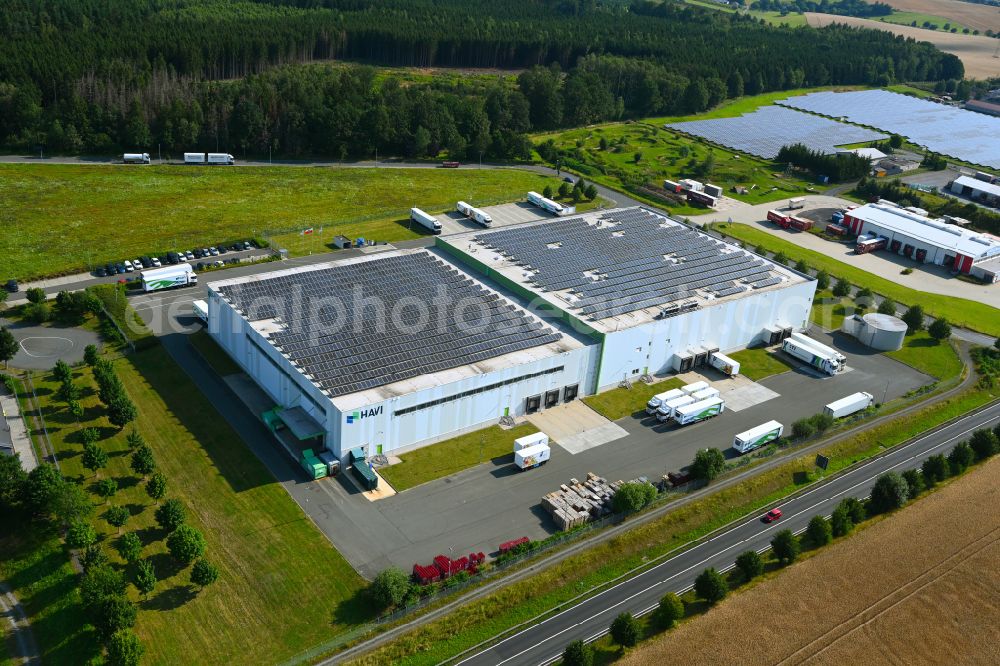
(629, 260)
(359, 353)
(764, 131)
(966, 135)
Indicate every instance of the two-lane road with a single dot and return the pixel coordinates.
(544, 642)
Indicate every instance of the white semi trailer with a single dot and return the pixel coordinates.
(474, 214)
(429, 222)
(666, 410)
(724, 364)
(695, 387)
(754, 438)
(699, 411)
(705, 394)
(536, 199)
(817, 345)
(529, 441)
(660, 398)
(181, 275)
(846, 406)
(135, 158)
(533, 456)
(209, 158)
(813, 357)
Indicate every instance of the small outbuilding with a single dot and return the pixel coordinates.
(881, 332)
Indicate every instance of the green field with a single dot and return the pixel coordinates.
(282, 587)
(59, 219)
(793, 19)
(453, 455)
(829, 311)
(758, 362)
(926, 354)
(621, 402)
(960, 311)
(918, 19)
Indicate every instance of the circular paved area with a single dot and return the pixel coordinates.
(42, 346)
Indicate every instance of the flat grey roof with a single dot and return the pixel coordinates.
(358, 325)
(608, 263)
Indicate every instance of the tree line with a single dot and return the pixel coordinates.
(836, 7)
(99, 76)
(837, 167)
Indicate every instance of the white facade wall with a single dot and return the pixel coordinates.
(729, 325)
(935, 253)
(377, 424)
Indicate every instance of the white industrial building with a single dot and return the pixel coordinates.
(928, 240)
(403, 348)
(389, 351)
(656, 295)
(980, 191)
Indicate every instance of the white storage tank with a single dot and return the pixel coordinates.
(881, 332)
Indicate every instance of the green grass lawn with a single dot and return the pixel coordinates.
(926, 354)
(620, 402)
(793, 19)
(829, 311)
(910, 90)
(58, 219)
(453, 455)
(37, 569)
(214, 355)
(282, 587)
(918, 19)
(960, 311)
(758, 362)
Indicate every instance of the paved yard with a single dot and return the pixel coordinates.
(41, 346)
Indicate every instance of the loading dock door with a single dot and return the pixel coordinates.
(700, 359)
(570, 392)
(532, 404)
(686, 363)
(551, 398)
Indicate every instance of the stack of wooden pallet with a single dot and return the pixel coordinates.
(577, 503)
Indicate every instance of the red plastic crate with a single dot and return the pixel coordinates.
(514, 543)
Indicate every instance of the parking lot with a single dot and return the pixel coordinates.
(481, 507)
(503, 215)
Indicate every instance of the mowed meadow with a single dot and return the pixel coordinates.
(64, 218)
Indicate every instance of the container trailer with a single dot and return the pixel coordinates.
(777, 217)
(803, 339)
(754, 438)
(724, 364)
(209, 158)
(818, 360)
(846, 406)
(474, 214)
(181, 275)
(705, 394)
(666, 410)
(200, 310)
(661, 398)
(429, 222)
(545, 203)
(796, 202)
(528, 441)
(533, 456)
(695, 387)
(866, 245)
(699, 411)
(135, 158)
(702, 199)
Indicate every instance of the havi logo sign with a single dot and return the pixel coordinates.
(354, 417)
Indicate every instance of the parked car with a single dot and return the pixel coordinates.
(189, 255)
(100, 272)
(156, 262)
(236, 247)
(128, 266)
(120, 268)
(678, 478)
(221, 248)
(11, 286)
(214, 251)
(146, 262)
(248, 245)
(172, 258)
(772, 515)
(109, 269)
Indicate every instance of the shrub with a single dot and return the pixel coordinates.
(914, 319)
(819, 531)
(708, 464)
(935, 469)
(90, 355)
(960, 458)
(711, 586)
(914, 483)
(93, 556)
(134, 440)
(94, 457)
(889, 493)
(124, 649)
(122, 411)
(80, 535)
(62, 372)
(390, 587)
(940, 329)
(100, 582)
(117, 516)
(36, 295)
(186, 544)
(142, 461)
(984, 443)
(625, 630)
(114, 614)
(578, 653)
(632, 497)
(785, 547)
(670, 610)
(821, 422)
(840, 521)
(107, 488)
(129, 546)
(842, 288)
(156, 486)
(887, 306)
(204, 573)
(145, 577)
(750, 564)
(822, 280)
(801, 266)
(803, 429)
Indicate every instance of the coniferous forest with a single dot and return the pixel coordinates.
(249, 76)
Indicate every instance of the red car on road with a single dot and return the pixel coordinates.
(772, 515)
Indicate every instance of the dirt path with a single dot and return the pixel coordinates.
(975, 52)
(19, 637)
(921, 587)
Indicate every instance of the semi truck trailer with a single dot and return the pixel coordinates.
(754, 438)
(695, 387)
(813, 357)
(533, 456)
(724, 364)
(474, 214)
(699, 411)
(181, 275)
(666, 410)
(135, 158)
(817, 345)
(528, 441)
(705, 394)
(536, 199)
(660, 398)
(209, 158)
(846, 406)
(429, 222)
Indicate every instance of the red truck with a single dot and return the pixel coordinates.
(789, 221)
(867, 245)
(450, 165)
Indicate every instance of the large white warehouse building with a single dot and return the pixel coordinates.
(927, 240)
(403, 348)
(656, 295)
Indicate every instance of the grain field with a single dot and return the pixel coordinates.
(921, 587)
(975, 52)
(976, 16)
